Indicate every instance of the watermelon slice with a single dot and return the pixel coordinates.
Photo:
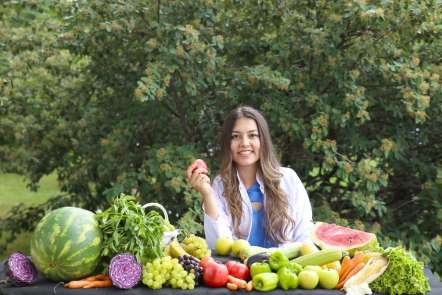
(332, 236)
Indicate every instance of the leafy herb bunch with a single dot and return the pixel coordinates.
(128, 228)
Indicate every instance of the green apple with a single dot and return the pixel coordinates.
(333, 265)
(328, 278)
(308, 279)
(315, 268)
(223, 246)
(238, 246)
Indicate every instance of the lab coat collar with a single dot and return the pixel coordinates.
(258, 179)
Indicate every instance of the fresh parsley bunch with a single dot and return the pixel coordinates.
(127, 228)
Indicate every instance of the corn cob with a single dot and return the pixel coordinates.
(319, 258)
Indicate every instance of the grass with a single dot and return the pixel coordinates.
(13, 191)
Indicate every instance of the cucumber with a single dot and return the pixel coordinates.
(291, 250)
(250, 251)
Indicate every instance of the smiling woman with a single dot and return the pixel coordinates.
(245, 146)
(253, 197)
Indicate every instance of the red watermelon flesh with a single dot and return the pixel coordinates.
(327, 236)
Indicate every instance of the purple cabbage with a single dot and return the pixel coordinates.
(124, 271)
(20, 269)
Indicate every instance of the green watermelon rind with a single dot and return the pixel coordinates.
(66, 244)
(368, 245)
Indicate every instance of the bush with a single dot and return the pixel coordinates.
(120, 96)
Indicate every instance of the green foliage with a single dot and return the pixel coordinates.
(120, 96)
(13, 191)
(161, 178)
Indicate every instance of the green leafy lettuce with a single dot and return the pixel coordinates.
(404, 275)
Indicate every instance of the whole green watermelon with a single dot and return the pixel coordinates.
(66, 244)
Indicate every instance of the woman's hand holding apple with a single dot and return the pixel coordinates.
(197, 175)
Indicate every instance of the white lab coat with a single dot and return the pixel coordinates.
(299, 208)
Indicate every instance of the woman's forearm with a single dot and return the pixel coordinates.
(209, 204)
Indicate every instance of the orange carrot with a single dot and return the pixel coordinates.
(357, 258)
(98, 284)
(249, 286)
(240, 283)
(345, 273)
(345, 264)
(352, 263)
(232, 286)
(99, 277)
(350, 274)
(76, 284)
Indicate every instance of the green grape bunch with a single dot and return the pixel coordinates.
(196, 246)
(167, 271)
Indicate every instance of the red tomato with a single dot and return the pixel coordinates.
(206, 261)
(238, 270)
(215, 275)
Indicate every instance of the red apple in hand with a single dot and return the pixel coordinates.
(215, 275)
(197, 164)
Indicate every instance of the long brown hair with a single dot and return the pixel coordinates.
(278, 220)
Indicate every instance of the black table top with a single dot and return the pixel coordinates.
(43, 286)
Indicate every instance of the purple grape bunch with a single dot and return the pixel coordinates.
(191, 264)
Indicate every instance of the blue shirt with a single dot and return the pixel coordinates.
(258, 236)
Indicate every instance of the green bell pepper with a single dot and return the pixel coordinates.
(259, 267)
(266, 281)
(295, 267)
(277, 260)
(287, 278)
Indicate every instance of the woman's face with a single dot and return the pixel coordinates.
(245, 143)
